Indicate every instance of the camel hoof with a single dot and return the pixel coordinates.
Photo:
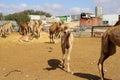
(63, 66)
(70, 72)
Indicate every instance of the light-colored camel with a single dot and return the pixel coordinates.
(6, 29)
(30, 26)
(66, 46)
(37, 28)
(26, 38)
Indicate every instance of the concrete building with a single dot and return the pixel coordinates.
(100, 19)
(34, 17)
(110, 19)
(75, 17)
(98, 12)
(37, 17)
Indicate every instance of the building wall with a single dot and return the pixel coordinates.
(99, 12)
(64, 18)
(75, 17)
(112, 19)
(88, 22)
(34, 17)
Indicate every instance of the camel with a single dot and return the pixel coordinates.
(55, 30)
(30, 26)
(24, 28)
(37, 28)
(66, 46)
(0, 29)
(25, 38)
(6, 29)
(110, 39)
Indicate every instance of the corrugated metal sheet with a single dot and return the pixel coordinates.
(64, 18)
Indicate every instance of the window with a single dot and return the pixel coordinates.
(105, 22)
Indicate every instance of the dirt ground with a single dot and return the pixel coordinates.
(39, 60)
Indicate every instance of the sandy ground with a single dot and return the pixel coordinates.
(39, 60)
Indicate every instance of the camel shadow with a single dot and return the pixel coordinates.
(3, 36)
(49, 42)
(53, 64)
(88, 76)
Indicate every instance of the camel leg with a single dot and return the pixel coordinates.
(29, 30)
(68, 59)
(59, 35)
(3, 32)
(24, 32)
(38, 33)
(63, 57)
(110, 49)
(103, 57)
(52, 38)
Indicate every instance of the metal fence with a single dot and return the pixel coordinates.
(95, 31)
(15, 25)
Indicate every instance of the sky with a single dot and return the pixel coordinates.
(60, 7)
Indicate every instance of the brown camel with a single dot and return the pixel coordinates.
(54, 31)
(24, 28)
(110, 39)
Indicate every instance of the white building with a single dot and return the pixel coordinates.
(98, 12)
(110, 19)
(34, 17)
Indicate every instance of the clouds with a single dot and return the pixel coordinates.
(23, 5)
(76, 10)
(109, 6)
(60, 8)
(1, 5)
(101, 1)
(12, 8)
(8, 9)
(53, 6)
(54, 9)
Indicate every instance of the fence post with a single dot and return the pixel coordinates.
(92, 31)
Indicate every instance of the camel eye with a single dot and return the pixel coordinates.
(65, 32)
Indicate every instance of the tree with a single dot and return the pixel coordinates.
(1, 16)
(23, 16)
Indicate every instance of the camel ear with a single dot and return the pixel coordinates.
(60, 23)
